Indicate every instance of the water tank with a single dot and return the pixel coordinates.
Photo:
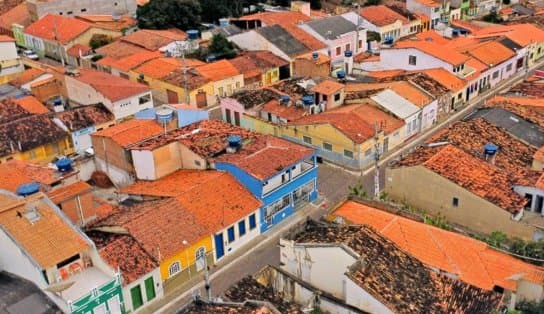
(341, 74)
(235, 142)
(315, 55)
(210, 58)
(164, 115)
(57, 102)
(308, 100)
(193, 34)
(348, 53)
(28, 189)
(285, 99)
(64, 164)
(223, 22)
(490, 149)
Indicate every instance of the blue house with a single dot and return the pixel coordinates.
(282, 174)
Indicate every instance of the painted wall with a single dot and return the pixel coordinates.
(429, 114)
(38, 9)
(185, 257)
(45, 153)
(361, 299)
(159, 292)
(522, 190)
(437, 194)
(397, 58)
(230, 247)
(226, 87)
(10, 63)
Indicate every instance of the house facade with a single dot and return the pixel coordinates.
(10, 63)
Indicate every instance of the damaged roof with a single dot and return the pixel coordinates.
(84, 117)
(397, 279)
(255, 97)
(131, 132)
(479, 177)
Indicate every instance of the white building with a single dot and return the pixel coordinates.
(120, 96)
(400, 108)
(10, 63)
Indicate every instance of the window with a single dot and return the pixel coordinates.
(220, 91)
(529, 198)
(509, 67)
(284, 177)
(83, 10)
(144, 99)
(412, 60)
(495, 74)
(230, 234)
(149, 288)
(324, 97)
(252, 222)
(276, 207)
(307, 139)
(200, 258)
(455, 202)
(348, 47)
(337, 97)
(174, 268)
(360, 43)
(197, 163)
(368, 152)
(459, 96)
(242, 227)
(237, 85)
(69, 12)
(338, 51)
(348, 153)
(327, 146)
(32, 154)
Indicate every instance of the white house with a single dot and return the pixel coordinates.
(401, 108)
(120, 96)
(10, 63)
(389, 24)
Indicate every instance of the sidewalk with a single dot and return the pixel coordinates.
(175, 297)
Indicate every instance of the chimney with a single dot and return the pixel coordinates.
(490, 151)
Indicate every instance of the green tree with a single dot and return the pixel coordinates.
(496, 239)
(371, 36)
(99, 40)
(315, 4)
(162, 14)
(492, 17)
(530, 307)
(372, 2)
(213, 10)
(221, 48)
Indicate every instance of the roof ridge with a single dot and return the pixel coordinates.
(442, 250)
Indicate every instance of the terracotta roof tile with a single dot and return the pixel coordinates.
(532, 87)
(521, 34)
(194, 79)
(380, 15)
(130, 62)
(473, 261)
(123, 252)
(109, 22)
(159, 226)
(78, 50)
(281, 18)
(290, 113)
(321, 58)
(328, 87)
(308, 40)
(258, 61)
(539, 154)
(49, 240)
(154, 39)
(158, 68)
(27, 76)
(119, 49)
(395, 278)
(17, 172)
(446, 79)
(217, 71)
(492, 53)
(31, 104)
(57, 28)
(434, 49)
(131, 132)
(432, 35)
(84, 117)
(383, 74)
(112, 87)
(16, 15)
(10, 111)
(266, 155)
(479, 177)
(530, 111)
(69, 191)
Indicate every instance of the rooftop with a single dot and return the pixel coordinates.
(282, 18)
(215, 198)
(218, 70)
(18, 172)
(49, 240)
(289, 113)
(31, 104)
(434, 49)
(380, 15)
(152, 39)
(332, 27)
(27, 76)
(129, 62)
(283, 40)
(355, 121)
(328, 87)
(113, 87)
(446, 79)
(254, 97)
(533, 87)
(264, 156)
(492, 53)
(158, 68)
(526, 109)
(123, 252)
(395, 103)
(10, 110)
(521, 34)
(194, 79)
(479, 177)
(321, 58)
(131, 132)
(394, 277)
(158, 226)
(109, 22)
(119, 49)
(471, 260)
(60, 194)
(257, 60)
(84, 117)
(199, 307)
(57, 28)
(14, 15)
(78, 50)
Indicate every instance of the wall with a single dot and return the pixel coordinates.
(185, 256)
(159, 292)
(522, 190)
(253, 41)
(127, 107)
(45, 153)
(38, 8)
(228, 86)
(239, 241)
(118, 176)
(527, 290)
(436, 195)
(38, 79)
(112, 153)
(429, 114)
(10, 62)
(79, 209)
(397, 58)
(361, 299)
(305, 67)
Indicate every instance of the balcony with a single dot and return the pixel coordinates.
(288, 176)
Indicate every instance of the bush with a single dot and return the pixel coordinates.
(99, 40)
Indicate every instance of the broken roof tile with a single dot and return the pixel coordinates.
(86, 116)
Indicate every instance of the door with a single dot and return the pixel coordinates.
(201, 99)
(114, 305)
(237, 118)
(136, 296)
(227, 116)
(172, 97)
(149, 288)
(219, 246)
(538, 204)
(100, 309)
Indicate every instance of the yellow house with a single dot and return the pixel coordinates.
(259, 68)
(33, 137)
(344, 136)
(188, 256)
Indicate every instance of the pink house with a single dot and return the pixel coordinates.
(247, 102)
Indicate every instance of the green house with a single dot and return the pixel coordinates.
(105, 299)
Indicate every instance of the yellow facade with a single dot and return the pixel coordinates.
(43, 154)
(186, 257)
(536, 51)
(271, 76)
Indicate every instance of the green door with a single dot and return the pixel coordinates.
(149, 288)
(136, 295)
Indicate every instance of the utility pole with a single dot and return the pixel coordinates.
(377, 155)
(181, 49)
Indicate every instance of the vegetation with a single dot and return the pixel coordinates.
(492, 17)
(162, 14)
(506, 2)
(373, 36)
(315, 4)
(529, 307)
(372, 2)
(99, 40)
(437, 221)
(357, 191)
(220, 47)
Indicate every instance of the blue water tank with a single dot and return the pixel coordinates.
(28, 189)
(64, 164)
(235, 141)
(315, 55)
(341, 74)
(193, 34)
(308, 100)
(57, 102)
(223, 22)
(348, 53)
(210, 58)
(490, 149)
(164, 115)
(285, 99)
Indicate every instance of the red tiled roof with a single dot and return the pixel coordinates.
(321, 58)
(4, 38)
(434, 49)
(257, 62)
(328, 87)
(380, 15)
(17, 172)
(85, 116)
(539, 154)
(152, 39)
(109, 22)
(466, 25)
(432, 35)
(217, 71)
(17, 15)
(479, 177)
(290, 113)
(112, 87)
(473, 261)
(308, 40)
(215, 198)
(130, 62)
(131, 132)
(31, 104)
(69, 191)
(119, 49)
(79, 50)
(446, 79)
(57, 28)
(158, 68)
(266, 155)
(281, 18)
(492, 53)
(521, 34)
(27, 76)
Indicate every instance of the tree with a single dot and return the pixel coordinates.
(492, 17)
(162, 14)
(373, 36)
(315, 4)
(496, 239)
(372, 2)
(213, 10)
(99, 40)
(220, 47)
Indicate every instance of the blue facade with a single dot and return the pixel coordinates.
(286, 198)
